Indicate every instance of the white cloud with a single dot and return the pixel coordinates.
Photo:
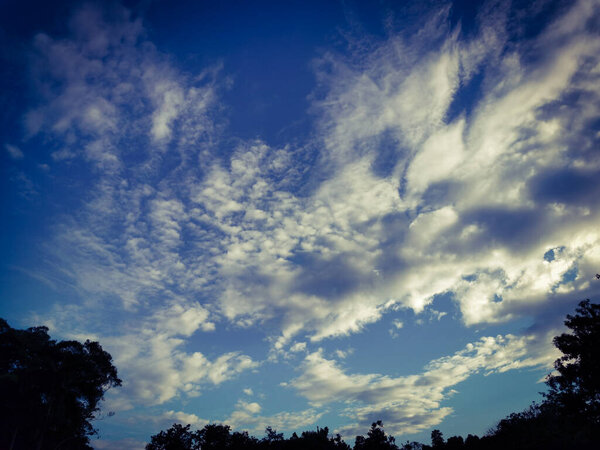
(298, 347)
(343, 353)
(169, 100)
(183, 319)
(150, 352)
(165, 419)
(246, 416)
(408, 404)
(183, 418)
(174, 371)
(397, 325)
(156, 369)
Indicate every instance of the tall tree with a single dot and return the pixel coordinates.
(569, 417)
(576, 387)
(50, 390)
(376, 439)
(437, 439)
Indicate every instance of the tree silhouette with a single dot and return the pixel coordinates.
(219, 437)
(437, 439)
(272, 439)
(576, 388)
(472, 441)
(243, 440)
(454, 443)
(376, 439)
(214, 437)
(569, 416)
(317, 440)
(320, 440)
(50, 390)
(178, 437)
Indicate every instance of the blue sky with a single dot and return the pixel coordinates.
(303, 213)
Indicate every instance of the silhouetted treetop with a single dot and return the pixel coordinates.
(437, 439)
(376, 439)
(178, 437)
(576, 388)
(50, 390)
(219, 437)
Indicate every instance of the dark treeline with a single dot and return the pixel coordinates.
(216, 437)
(50, 392)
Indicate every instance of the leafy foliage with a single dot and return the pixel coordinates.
(177, 437)
(219, 437)
(437, 439)
(576, 388)
(50, 390)
(376, 439)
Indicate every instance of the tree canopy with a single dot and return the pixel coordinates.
(376, 439)
(50, 390)
(219, 437)
(576, 387)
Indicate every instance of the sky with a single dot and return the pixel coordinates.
(299, 214)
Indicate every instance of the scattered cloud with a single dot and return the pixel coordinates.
(298, 347)
(397, 325)
(246, 416)
(341, 354)
(183, 418)
(151, 355)
(174, 371)
(409, 404)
